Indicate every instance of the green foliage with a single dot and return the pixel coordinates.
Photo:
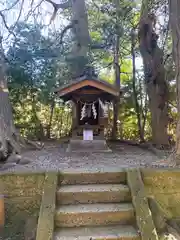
(33, 73)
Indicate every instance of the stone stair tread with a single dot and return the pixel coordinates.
(107, 232)
(76, 145)
(92, 176)
(98, 207)
(93, 188)
(93, 170)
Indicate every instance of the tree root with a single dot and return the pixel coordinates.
(11, 145)
(36, 145)
(7, 166)
(144, 145)
(173, 158)
(8, 141)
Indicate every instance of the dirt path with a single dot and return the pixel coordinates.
(53, 156)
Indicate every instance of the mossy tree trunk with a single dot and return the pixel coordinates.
(174, 10)
(78, 57)
(155, 82)
(8, 138)
(81, 37)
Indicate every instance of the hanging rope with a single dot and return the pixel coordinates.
(91, 103)
(88, 104)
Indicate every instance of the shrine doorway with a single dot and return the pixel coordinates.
(89, 118)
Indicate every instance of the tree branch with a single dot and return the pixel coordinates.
(20, 12)
(98, 46)
(13, 5)
(57, 6)
(32, 2)
(70, 26)
(33, 10)
(5, 24)
(11, 28)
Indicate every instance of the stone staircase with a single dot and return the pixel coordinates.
(94, 206)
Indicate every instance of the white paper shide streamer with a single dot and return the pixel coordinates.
(86, 109)
(94, 111)
(104, 108)
(83, 112)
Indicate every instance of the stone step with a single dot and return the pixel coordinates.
(97, 233)
(94, 214)
(76, 145)
(92, 176)
(94, 193)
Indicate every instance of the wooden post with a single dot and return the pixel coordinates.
(2, 210)
(74, 115)
(74, 118)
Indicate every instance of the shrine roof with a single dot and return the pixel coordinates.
(84, 81)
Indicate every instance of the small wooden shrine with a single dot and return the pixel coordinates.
(90, 98)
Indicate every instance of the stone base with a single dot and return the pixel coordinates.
(88, 146)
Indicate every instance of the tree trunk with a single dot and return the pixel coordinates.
(115, 118)
(39, 130)
(159, 116)
(157, 88)
(61, 120)
(174, 10)
(8, 141)
(78, 58)
(138, 114)
(144, 113)
(116, 102)
(5, 106)
(50, 120)
(80, 29)
(82, 39)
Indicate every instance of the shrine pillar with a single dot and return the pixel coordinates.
(74, 115)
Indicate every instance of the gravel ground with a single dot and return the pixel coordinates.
(54, 157)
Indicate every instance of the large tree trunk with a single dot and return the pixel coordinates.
(80, 29)
(80, 48)
(8, 141)
(78, 58)
(5, 106)
(174, 9)
(157, 88)
(159, 114)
